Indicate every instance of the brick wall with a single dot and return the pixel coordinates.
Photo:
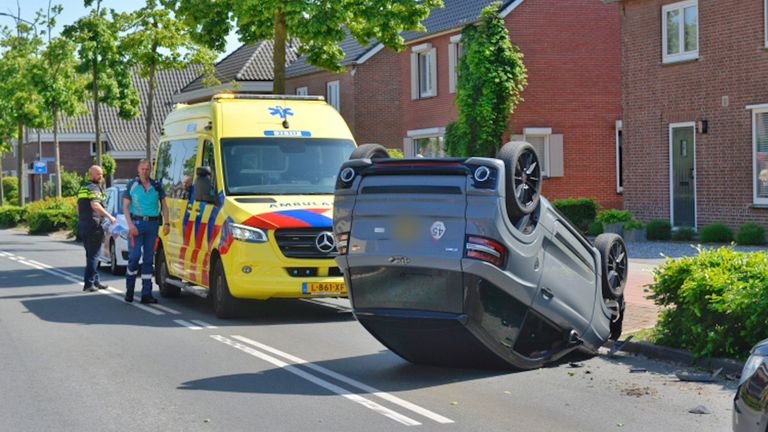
(732, 62)
(572, 52)
(316, 85)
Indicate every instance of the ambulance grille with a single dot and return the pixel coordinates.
(302, 243)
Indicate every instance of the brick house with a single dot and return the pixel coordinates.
(695, 108)
(572, 105)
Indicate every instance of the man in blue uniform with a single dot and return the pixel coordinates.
(90, 212)
(143, 201)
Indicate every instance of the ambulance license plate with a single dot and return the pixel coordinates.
(325, 288)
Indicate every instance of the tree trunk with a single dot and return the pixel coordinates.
(20, 164)
(2, 191)
(96, 111)
(150, 106)
(56, 149)
(278, 55)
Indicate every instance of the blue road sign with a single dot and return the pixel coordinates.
(40, 167)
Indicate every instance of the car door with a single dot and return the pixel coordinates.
(205, 214)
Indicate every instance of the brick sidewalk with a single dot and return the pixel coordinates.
(640, 311)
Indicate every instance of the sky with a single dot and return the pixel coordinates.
(74, 9)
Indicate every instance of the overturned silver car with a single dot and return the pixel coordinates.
(460, 262)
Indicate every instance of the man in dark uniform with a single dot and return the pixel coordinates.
(90, 213)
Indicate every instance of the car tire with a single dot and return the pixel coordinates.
(370, 151)
(522, 178)
(617, 325)
(161, 265)
(224, 305)
(115, 269)
(614, 264)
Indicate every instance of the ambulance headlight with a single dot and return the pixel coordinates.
(248, 234)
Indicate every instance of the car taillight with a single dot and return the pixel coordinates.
(342, 240)
(487, 250)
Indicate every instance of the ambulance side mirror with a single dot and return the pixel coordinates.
(203, 186)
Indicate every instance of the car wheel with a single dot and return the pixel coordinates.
(115, 269)
(522, 178)
(370, 151)
(166, 289)
(613, 259)
(618, 323)
(224, 305)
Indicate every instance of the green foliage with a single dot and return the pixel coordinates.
(633, 224)
(715, 233)
(70, 183)
(595, 228)
(108, 164)
(395, 153)
(658, 229)
(683, 233)
(714, 304)
(11, 189)
(492, 77)
(750, 234)
(580, 211)
(51, 214)
(318, 26)
(11, 215)
(610, 216)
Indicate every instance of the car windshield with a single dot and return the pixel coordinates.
(119, 197)
(283, 166)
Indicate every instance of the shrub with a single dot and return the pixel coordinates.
(11, 190)
(750, 234)
(595, 228)
(713, 304)
(684, 233)
(395, 153)
(11, 215)
(633, 224)
(70, 183)
(580, 211)
(51, 214)
(658, 229)
(610, 216)
(715, 233)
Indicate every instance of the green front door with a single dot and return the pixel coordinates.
(683, 176)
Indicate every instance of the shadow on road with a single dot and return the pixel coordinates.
(23, 278)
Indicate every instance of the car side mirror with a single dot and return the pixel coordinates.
(203, 186)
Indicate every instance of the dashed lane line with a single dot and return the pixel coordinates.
(379, 409)
(187, 324)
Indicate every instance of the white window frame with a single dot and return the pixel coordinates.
(619, 130)
(539, 132)
(765, 21)
(103, 147)
(423, 52)
(416, 134)
(454, 56)
(333, 94)
(756, 109)
(682, 55)
(302, 91)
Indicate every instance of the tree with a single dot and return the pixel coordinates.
(108, 165)
(157, 41)
(24, 105)
(491, 78)
(318, 25)
(60, 85)
(98, 40)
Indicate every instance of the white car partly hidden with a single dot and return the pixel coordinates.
(114, 250)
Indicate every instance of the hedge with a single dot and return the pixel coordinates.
(580, 211)
(713, 304)
(658, 229)
(715, 233)
(11, 215)
(750, 234)
(52, 214)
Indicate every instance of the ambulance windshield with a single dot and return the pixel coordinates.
(282, 166)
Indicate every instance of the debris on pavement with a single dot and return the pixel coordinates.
(698, 376)
(701, 409)
(576, 364)
(637, 369)
(617, 345)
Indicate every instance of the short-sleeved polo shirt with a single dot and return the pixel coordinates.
(88, 193)
(144, 202)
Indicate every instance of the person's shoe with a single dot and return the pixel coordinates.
(148, 300)
(100, 285)
(90, 289)
(128, 298)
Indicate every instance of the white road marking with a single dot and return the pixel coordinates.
(39, 266)
(187, 324)
(321, 382)
(204, 324)
(119, 295)
(166, 309)
(354, 383)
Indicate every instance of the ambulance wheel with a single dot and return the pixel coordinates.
(115, 269)
(370, 151)
(613, 262)
(166, 289)
(522, 178)
(224, 305)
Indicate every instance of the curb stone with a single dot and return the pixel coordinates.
(659, 352)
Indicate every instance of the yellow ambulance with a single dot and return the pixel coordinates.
(249, 181)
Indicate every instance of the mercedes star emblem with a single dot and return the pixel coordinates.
(325, 242)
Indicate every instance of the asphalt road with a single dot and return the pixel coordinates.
(71, 361)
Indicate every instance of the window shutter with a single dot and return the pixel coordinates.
(408, 150)
(452, 67)
(414, 75)
(517, 138)
(556, 165)
(433, 70)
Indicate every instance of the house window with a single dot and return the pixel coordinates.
(302, 91)
(423, 71)
(539, 139)
(619, 169)
(103, 148)
(426, 143)
(680, 31)
(455, 51)
(332, 95)
(760, 154)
